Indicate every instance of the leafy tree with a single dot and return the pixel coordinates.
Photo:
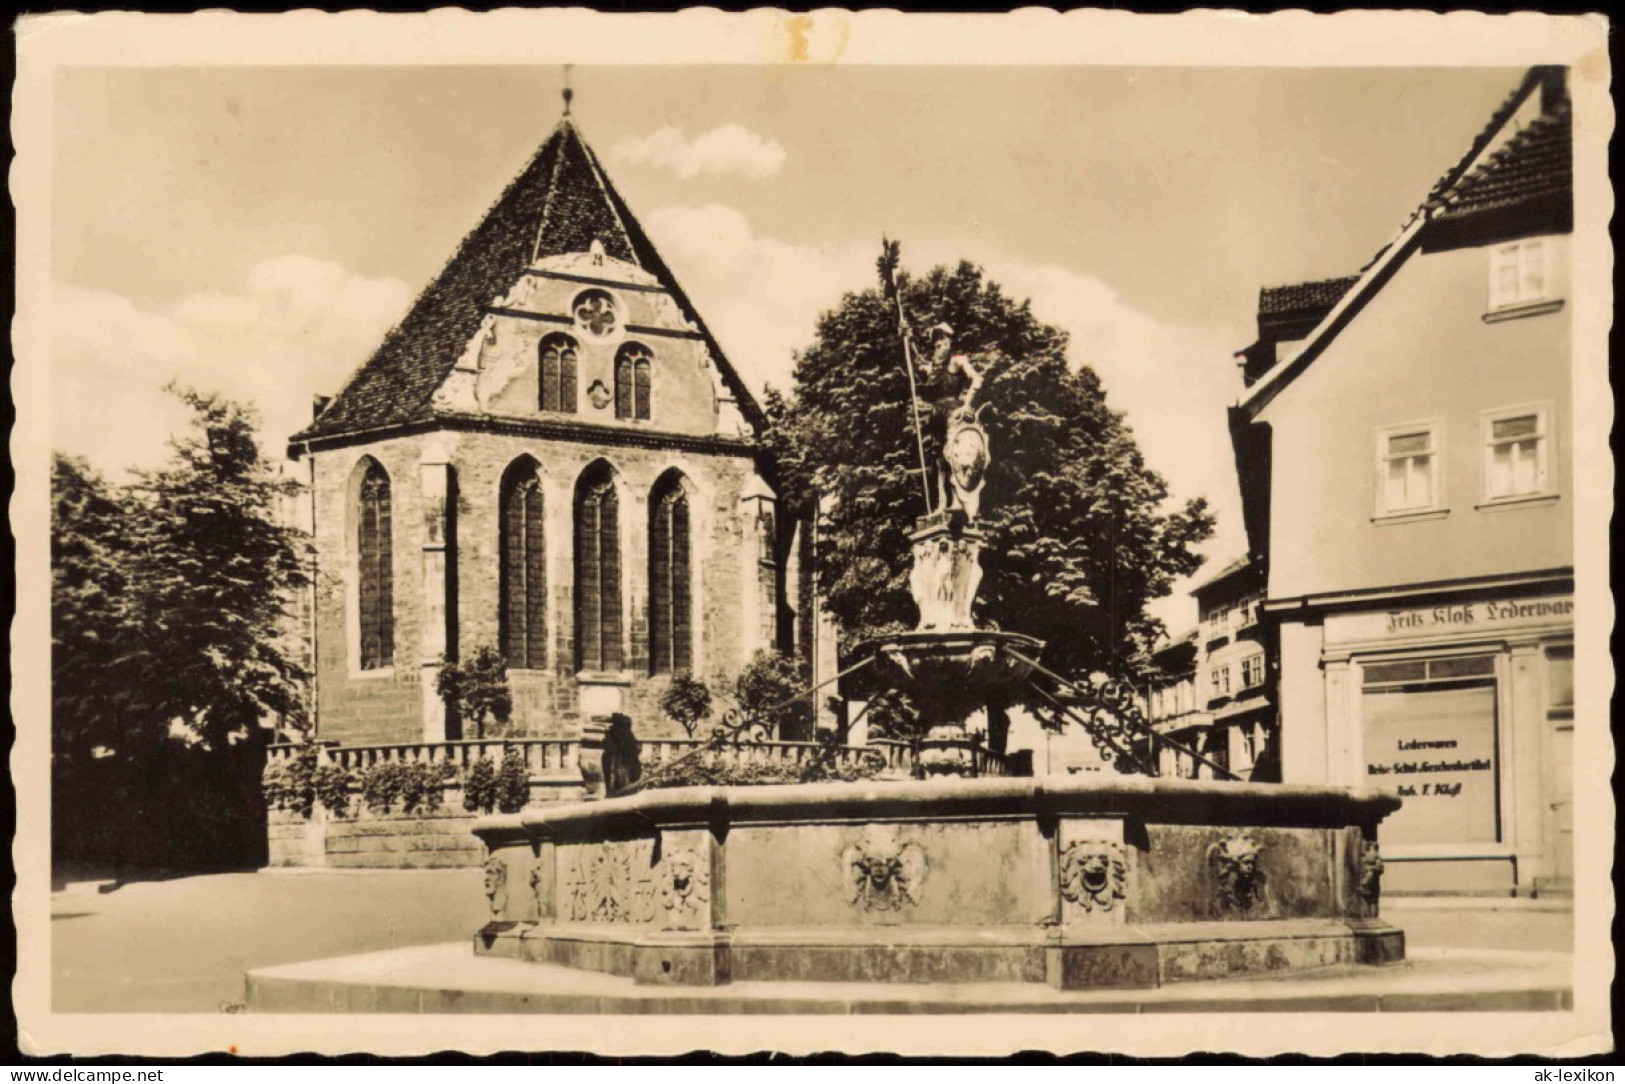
(477, 689)
(89, 552)
(1078, 538)
(211, 574)
(170, 636)
(762, 689)
(686, 701)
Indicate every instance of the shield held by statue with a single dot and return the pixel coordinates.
(965, 448)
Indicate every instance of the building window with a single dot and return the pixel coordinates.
(523, 561)
(1218, 621)
(598, 571)
(1515, 453)
(1518, 274)
(767, 576)
(558, 373)
(670, 608)
(633, 363)
(1408, 469)
(376, 589)
(595, 313)
(1252, 672)
(1430, 732)
(1560, 683)
(1219, 681)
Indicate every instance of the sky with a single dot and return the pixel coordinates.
(256, 230)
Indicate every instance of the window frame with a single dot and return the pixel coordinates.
(1545, 436)
(632, 372)
(671, 577)
(523, 474)
(568, 392)
(1435, 429)
(378, 580)
(598, 486)
(617, 310)
(1250, 662)
(1499, 301)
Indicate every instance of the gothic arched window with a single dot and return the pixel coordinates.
(558, 373)
(375, 595)
(523, 569)
(633, 364)
(598, 571)
(670, 603)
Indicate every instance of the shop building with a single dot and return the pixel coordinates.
(1403, 446)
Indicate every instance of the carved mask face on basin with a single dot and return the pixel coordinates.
(880, 869)
(682, 876)
(496, 883)
(1094, 871)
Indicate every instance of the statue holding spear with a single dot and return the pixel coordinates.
(951, 384)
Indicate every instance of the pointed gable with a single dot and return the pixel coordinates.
(560, 203)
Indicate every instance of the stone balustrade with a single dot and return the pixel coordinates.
(557, 760)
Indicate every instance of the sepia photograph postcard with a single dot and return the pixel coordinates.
(938, 535)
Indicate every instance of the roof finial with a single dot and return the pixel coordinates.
(568, 93)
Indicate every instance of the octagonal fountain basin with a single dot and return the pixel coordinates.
(1078, 883)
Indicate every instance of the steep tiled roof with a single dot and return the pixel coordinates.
(1303, 296)
(561, 202)
(1532, 167)
(1536, 163)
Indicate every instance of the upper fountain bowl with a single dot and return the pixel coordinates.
(944, 667)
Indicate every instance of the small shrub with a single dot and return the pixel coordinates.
(291, 783)
(512, 782)
(274, 784)
(422, 786)
(762, 689)
(713, 769)
(381, 785)
(332, 786)
(476, 689)
(686, 701)
(480, 786)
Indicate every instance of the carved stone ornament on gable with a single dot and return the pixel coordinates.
(596, 263)
(596, 314)
(1093, 874)
(598, 395)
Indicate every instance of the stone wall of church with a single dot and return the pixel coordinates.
(725, 499)
(355, 706)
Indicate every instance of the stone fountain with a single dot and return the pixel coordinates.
(1073, 882)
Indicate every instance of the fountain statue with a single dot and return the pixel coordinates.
(951, 668)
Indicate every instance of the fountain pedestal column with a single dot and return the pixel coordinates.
(949, 667)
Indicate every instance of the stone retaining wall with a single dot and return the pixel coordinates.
(366, 839)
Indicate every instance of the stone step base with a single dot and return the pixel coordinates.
(1072, 958)
(452, 979)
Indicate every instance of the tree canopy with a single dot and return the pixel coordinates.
(1078, 536)
(170, 595)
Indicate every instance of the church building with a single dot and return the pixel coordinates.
(550, 455)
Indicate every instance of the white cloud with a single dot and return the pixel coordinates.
(296, 327)
(761, 296)
(729, 148)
